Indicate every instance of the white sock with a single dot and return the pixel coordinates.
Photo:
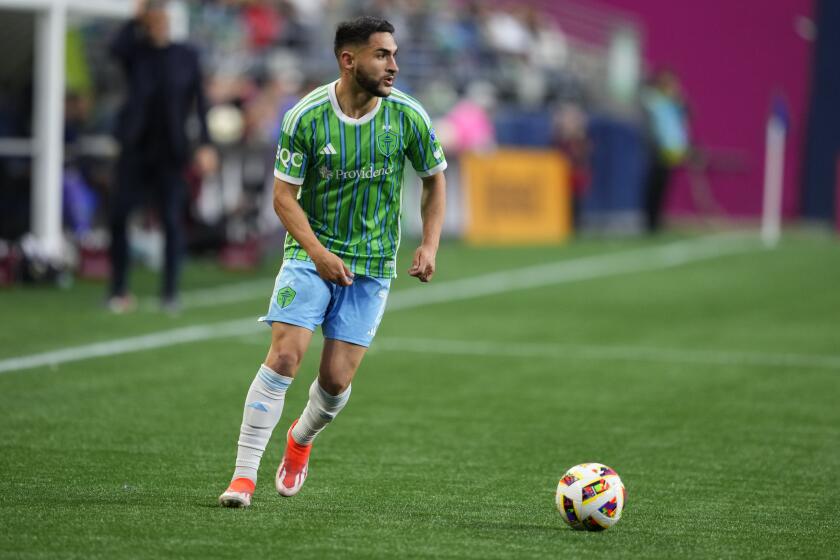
(320, 411)
(263, 407)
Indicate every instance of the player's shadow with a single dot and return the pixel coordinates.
(216, 505)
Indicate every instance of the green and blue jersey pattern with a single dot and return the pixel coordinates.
(350, 173)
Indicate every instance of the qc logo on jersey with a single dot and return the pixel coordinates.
(286, 157)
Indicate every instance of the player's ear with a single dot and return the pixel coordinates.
(347, 59)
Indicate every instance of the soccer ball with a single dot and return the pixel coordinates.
(590, 496)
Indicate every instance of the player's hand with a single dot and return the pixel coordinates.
(423, 265)
(331, 268)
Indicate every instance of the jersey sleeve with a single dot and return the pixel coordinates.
(423, 148)
(292, 152)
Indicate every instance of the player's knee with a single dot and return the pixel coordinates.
(334, 386)
(284, 361)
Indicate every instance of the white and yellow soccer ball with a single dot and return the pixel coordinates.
(590, 497)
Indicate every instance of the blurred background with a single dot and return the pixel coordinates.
(559, 118)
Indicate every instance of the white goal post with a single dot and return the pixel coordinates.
(48, 113)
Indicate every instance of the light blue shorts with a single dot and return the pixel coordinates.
(347, 313)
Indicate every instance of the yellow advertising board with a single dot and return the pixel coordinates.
(517, 196)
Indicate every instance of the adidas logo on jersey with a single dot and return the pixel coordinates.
(329, 150)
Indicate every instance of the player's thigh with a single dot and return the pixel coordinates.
(339, 362)
(298, 304)
(288, 346)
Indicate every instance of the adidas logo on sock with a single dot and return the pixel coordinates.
(258, 406)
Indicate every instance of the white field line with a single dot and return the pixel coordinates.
(585, 268)
(210, 297)
(151, 341)
(599, 266)
(508, 349)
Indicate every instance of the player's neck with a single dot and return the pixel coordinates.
(354, 101)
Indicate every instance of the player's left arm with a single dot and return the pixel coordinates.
(432, 210)
(424, 151)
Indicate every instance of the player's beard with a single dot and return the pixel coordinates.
(370, 84)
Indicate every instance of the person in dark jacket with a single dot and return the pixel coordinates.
(164, 85)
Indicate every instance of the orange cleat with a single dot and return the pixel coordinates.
(238, 494)
(294, 467)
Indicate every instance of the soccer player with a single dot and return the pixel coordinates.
(339, 172)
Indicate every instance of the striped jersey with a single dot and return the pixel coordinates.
(350, 173)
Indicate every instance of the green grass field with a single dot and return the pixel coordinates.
(710, 380)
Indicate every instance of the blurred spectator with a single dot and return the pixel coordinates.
(668, 131)
(466, 44)
(309, 12)
(508, 34)
(468, 127)
(79, 199)
(549, 50)
(164, 83)
(570, 123)
(263, 24)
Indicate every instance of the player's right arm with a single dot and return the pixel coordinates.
(329, 266)
(290, 168)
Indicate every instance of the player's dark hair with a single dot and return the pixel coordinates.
(358, 31)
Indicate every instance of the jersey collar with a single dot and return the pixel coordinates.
(350, 120)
